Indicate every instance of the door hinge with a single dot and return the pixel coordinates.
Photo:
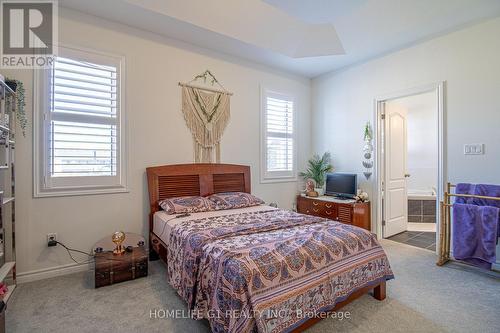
(382, 116)
(383, 222)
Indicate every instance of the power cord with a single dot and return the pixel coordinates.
(69, 250)
(75, 250)
(92, 256)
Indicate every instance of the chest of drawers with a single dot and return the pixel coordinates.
(355, 213)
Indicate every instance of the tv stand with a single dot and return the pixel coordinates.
(343, 210)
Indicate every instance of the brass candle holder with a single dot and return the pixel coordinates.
(118, 238)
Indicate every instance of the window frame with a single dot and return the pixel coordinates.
(276, 176)
(82, 185)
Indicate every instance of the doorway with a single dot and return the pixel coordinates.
(409, 168)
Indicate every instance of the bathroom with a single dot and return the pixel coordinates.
(422, 170)
(422, 162)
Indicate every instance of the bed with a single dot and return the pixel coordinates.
(257, 268)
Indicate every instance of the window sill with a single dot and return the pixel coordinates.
(278, 180)
(78, 192)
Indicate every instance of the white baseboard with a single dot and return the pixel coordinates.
(51, 272)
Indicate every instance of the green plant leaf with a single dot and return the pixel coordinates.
(317, 168)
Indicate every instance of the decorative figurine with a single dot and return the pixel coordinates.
(118, 238)
(3, 289)
(310, 185)
(368, 151)
(362, 197)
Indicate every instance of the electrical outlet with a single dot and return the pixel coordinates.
(51, 239)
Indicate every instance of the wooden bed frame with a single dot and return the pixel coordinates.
(178, 180)
(203, 179)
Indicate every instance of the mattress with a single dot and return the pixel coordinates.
(163, 222)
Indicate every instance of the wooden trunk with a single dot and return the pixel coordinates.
(110, 268)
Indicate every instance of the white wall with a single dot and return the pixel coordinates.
(468, 60)
(422, 136)
(157, 136)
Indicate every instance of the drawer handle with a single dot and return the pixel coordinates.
(328, 213)
(328, 206)
(316, 210)
(315, 203)
(307, 211)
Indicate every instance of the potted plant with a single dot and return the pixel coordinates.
(317, 169)
(19, 101)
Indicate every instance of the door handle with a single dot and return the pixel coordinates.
(407, 175)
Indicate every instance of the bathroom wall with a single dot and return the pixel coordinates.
(422, 141)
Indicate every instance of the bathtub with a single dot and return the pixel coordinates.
(422, 206)
(422, 194)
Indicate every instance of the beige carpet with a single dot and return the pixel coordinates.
(422, 298)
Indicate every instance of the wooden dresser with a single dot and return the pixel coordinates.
(355, 213)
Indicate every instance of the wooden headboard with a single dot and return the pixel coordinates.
(203, 179)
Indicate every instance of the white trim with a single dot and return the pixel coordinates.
(438, 88)
(266, 179)
(39, 173)
(46, 273)
(91, 191)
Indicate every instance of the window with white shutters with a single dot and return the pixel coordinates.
(82, 138)
(81, 125)
(278, 141)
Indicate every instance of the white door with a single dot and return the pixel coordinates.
(395, 189)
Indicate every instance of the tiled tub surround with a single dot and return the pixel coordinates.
(422, 211)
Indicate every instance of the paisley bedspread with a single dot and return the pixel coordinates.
(269, 271)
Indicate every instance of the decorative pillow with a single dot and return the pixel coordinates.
(180, 205)
(231, 200)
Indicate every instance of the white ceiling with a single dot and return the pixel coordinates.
(289, 34)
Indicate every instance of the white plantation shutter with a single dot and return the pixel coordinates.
(279, 137)
(82, 124)
(82, 139)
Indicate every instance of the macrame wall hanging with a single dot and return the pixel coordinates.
(206, 111)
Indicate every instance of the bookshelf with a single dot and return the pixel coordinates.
(7, 189)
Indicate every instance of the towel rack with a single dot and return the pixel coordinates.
(445, 222)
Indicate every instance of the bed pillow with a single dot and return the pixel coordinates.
(231, 200)
(192, 204)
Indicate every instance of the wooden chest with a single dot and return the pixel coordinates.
(357, 214)
(110, 268)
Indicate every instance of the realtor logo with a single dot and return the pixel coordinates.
(29, 32)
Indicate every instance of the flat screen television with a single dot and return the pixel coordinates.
(343, 185)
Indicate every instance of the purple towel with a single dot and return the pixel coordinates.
(475, 234)
(479, 189)
(464, 188)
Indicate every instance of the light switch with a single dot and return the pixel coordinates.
(474, 149)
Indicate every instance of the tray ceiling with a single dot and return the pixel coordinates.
(308, 38)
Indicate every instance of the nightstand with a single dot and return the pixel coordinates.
(112, 268)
